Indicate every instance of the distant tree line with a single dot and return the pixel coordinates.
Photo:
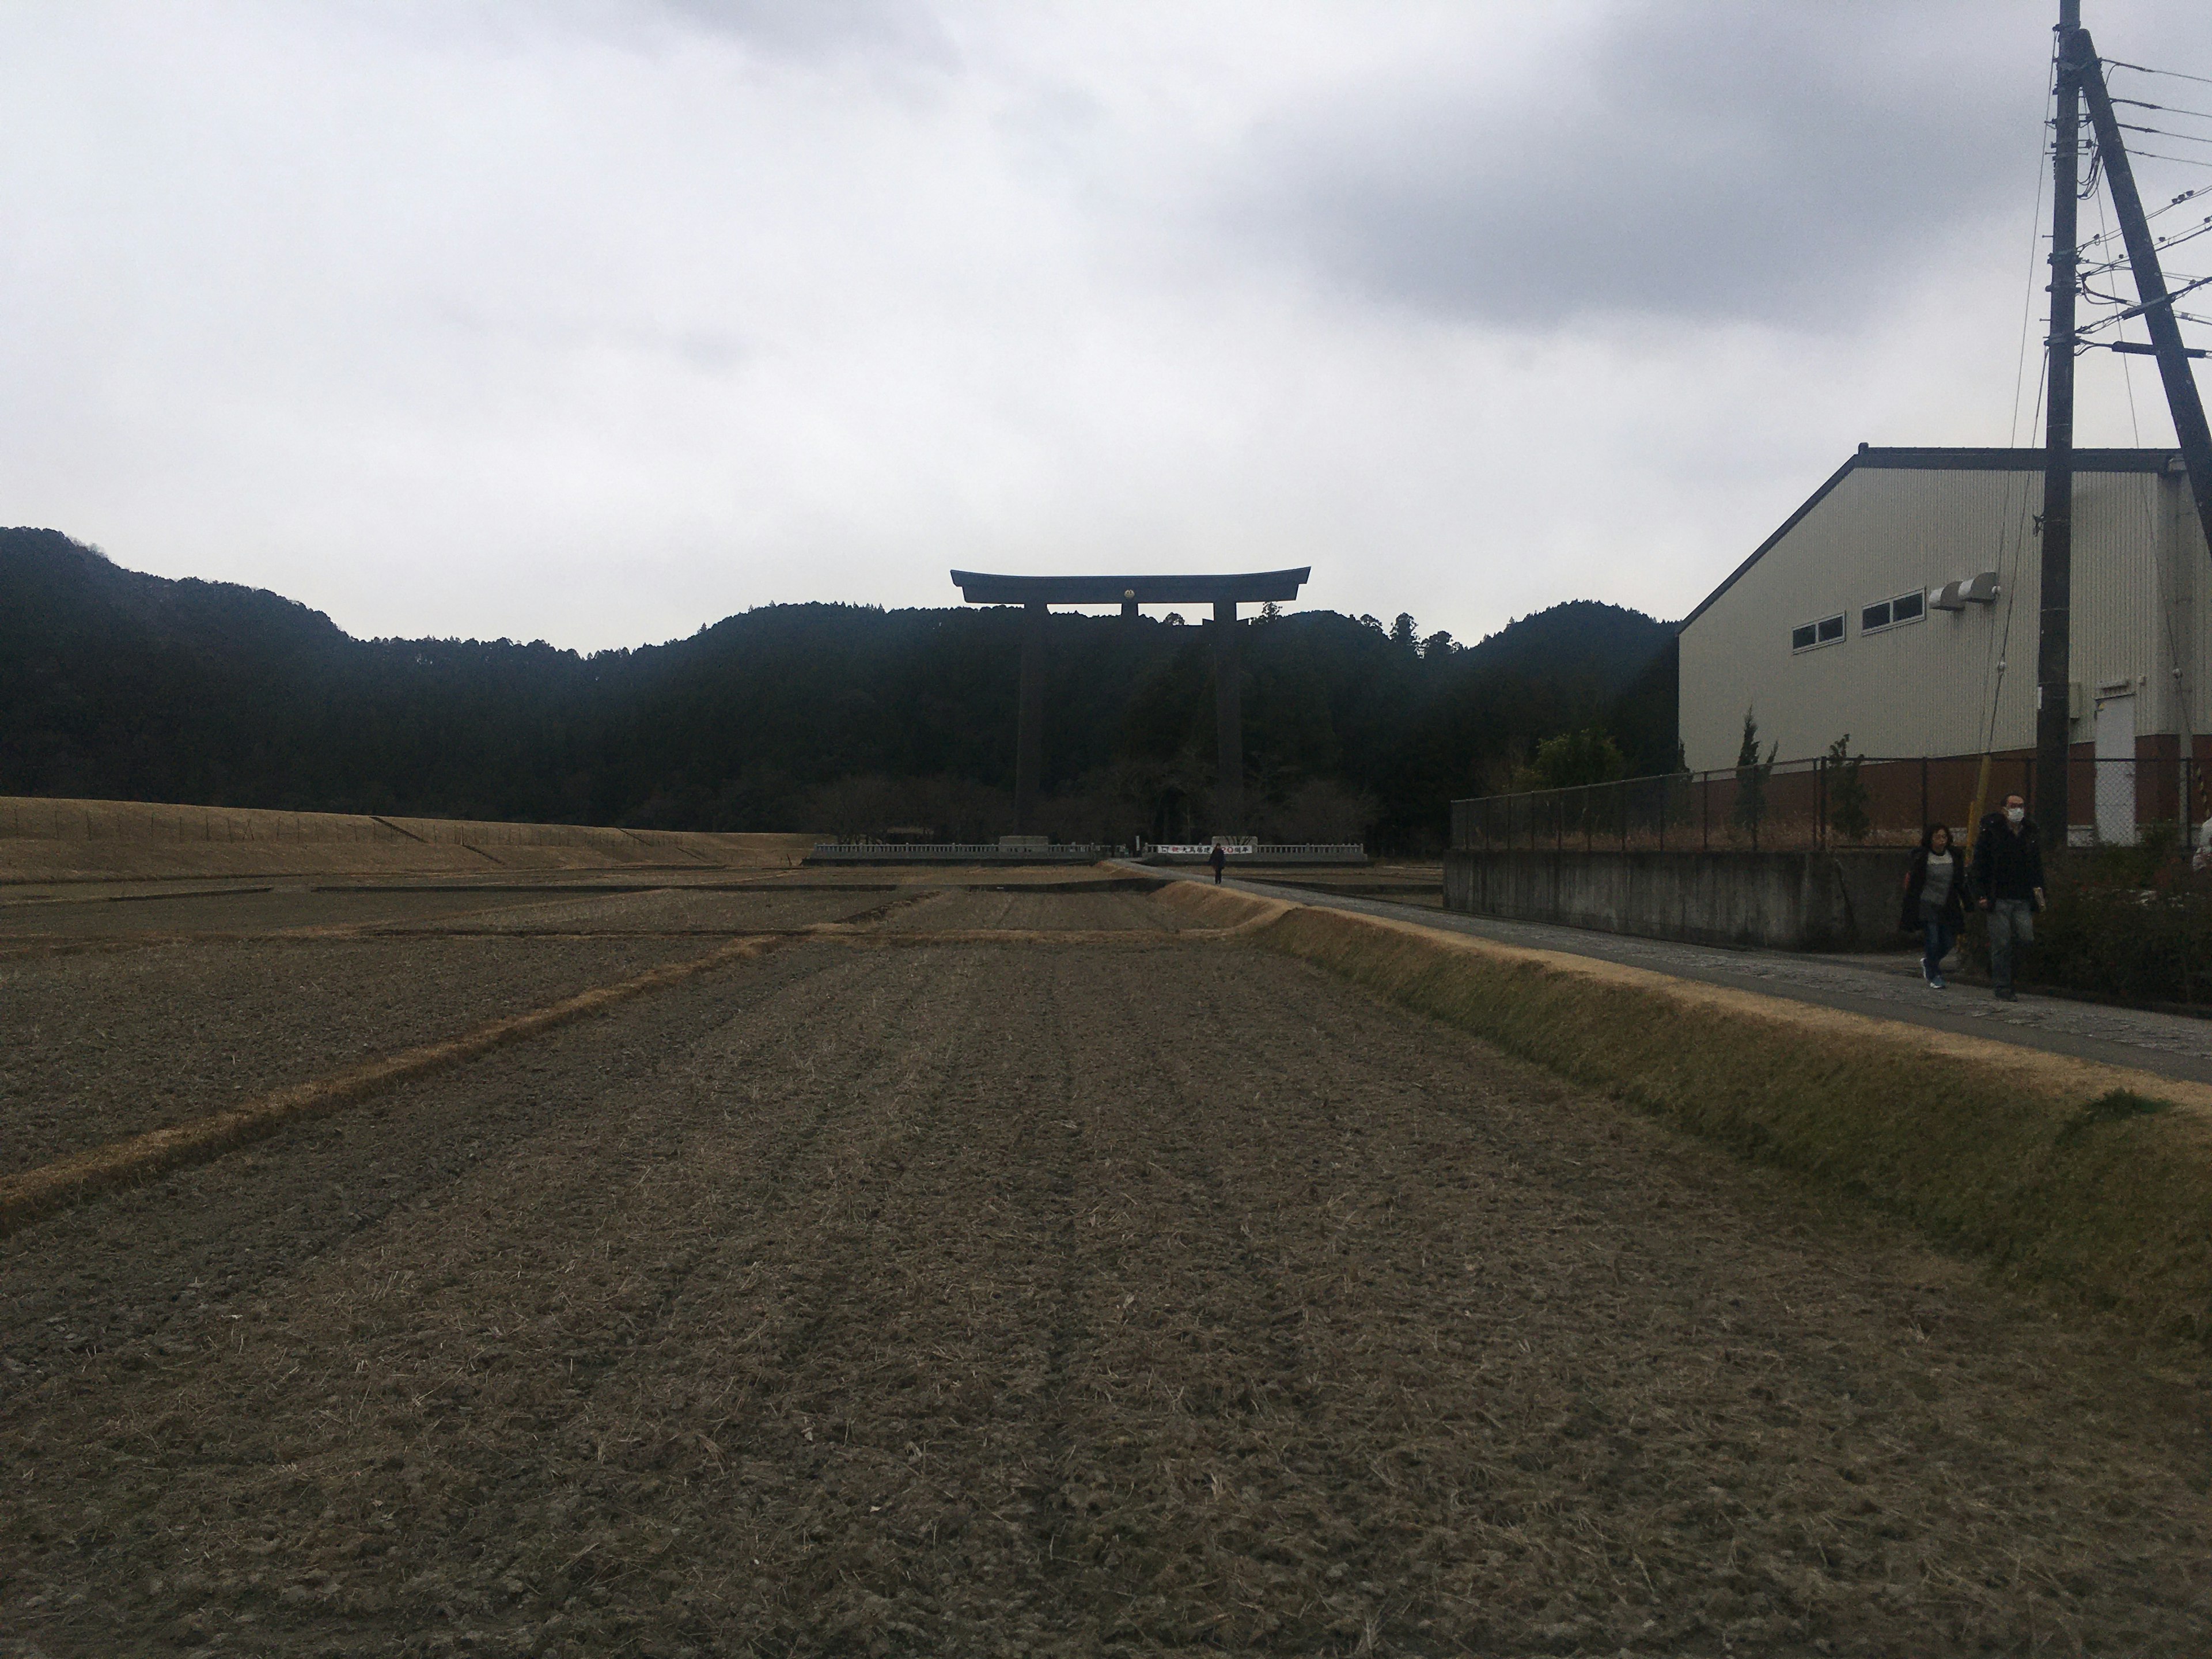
(838, 718)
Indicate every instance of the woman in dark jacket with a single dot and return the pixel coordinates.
(1934, 900)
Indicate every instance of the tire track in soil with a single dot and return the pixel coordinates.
(791, 1279)
(1245, 1367)
(1051, 1415)
(879, 1546)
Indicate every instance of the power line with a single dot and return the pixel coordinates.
(2185, 137)
(2035, 243)
(2166, 109)
(2145, 68)
(2156, 212)
(2179, 161)
(2127, 364)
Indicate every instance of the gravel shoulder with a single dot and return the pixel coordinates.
(1051, 1299)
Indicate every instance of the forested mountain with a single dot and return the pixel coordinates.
(840, 718)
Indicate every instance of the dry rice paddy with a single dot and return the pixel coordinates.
(1129, 1292)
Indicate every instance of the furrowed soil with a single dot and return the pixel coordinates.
(1022, 1298)
(1115, 912)
(24, 926)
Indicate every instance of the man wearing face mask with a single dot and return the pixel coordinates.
(2008, 885)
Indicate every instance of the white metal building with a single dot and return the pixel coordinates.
(1900, 605)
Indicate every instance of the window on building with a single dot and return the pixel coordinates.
(1826, 631)
(1904, 608)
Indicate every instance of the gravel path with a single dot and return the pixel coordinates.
(1050, 1299)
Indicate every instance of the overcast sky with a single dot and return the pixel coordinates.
(597, 322)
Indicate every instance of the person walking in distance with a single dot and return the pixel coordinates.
(2008, 885)
(1934, 900)
(1218, 858)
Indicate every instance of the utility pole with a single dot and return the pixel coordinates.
(2152, 304)
(2054, 645)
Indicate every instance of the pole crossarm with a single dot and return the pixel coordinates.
(1255, 587)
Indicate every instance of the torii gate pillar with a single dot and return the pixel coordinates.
(1029, 720)
(1228, 723)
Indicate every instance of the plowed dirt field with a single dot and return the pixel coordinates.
(1139, 1291)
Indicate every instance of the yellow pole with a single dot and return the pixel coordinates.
(1981, 797)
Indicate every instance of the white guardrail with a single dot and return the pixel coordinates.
(953, 851)
(1252, 852)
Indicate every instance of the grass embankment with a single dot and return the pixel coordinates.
(2058, 1171)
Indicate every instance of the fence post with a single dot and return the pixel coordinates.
(1924, 794)
(1705, 811)
(1821, 803)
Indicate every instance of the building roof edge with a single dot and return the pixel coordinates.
(1935, 459)
(1760, 551)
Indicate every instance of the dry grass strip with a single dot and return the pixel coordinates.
(34, 1193)
(2096, 1179)
(1224, 907)
(1147, 938)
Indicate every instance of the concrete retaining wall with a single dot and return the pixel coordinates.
(1842, 900)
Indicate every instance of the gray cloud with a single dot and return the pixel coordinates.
(823, 28)
(596, 320)
(1743, 161)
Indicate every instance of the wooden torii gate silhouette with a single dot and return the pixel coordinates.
(1038, 594)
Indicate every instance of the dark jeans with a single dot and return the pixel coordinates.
(1941, 937)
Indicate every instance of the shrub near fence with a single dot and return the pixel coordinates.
(2133, 924)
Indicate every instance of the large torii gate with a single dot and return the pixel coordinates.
(1037, 594)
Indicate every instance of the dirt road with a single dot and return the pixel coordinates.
(1143, 1293)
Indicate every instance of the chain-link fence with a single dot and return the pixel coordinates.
(1808, 805)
